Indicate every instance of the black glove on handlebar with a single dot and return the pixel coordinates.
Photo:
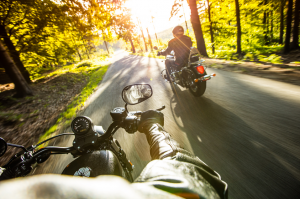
(148, 118)
(158, 54)
(6, 175)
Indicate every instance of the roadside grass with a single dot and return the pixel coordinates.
(255, 53)
(94, 69)
(41, 70)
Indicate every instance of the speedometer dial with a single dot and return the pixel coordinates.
(81, 125)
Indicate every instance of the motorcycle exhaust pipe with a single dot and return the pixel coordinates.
(205, 77)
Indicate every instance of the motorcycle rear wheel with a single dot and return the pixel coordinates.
(198, 89)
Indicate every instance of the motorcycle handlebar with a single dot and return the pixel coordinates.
(65, 150)
(136, 124)
(54, 149)
(139, 113)
(21, 165)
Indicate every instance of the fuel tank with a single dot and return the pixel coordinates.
(102, 162)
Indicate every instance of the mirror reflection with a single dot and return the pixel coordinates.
(134, 94)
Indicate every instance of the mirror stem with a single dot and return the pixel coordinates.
(19, 146)
(126, 108)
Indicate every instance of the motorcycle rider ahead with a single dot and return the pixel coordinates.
(181, 45)
(173, 173)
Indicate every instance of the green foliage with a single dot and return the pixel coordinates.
(275, 59)
(260, 26)
(84, 64)
(95, 70)
(48, 34)
(249, 56)
(49, 132)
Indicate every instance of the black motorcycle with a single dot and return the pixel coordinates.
(97, 151)
(192, 76)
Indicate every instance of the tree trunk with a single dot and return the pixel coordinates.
(184, 18)
(146, 49)
(14, 53)
(144, 40)
(197, 28)
(271, 31)
(86, 50)
(15, 75)
(265, 24)
(210, 29)
(149, 38)
(132, 46)
(138, 40)
(56, 58)
(154, 29)
(87, 53)
(288, 26)
(78, 54)
(295, 43)
(238, 24)
(106, 46)
(281, 21)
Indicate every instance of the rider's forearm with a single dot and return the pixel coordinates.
(162, 146)
(166, 52)
(161, 143)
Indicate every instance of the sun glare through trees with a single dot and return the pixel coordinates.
(156, 11)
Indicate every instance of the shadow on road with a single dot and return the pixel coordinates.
(246, 159)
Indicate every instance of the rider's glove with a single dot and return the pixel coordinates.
(148, 118)
(5, 174)
(158, 54)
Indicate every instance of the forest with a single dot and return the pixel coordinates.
(39, 35)
(241, 29)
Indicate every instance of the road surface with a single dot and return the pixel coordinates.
(246, 128)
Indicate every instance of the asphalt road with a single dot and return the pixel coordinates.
(244, 127)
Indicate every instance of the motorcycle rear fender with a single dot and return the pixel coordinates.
(196, 72)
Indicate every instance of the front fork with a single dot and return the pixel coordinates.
(114, 146)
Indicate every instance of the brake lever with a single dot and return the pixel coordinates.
(162, 108)
(139, 113)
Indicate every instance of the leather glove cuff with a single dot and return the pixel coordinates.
(161, 144)
(145, 126)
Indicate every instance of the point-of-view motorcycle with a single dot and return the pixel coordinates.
(97, 152)
(192, 76)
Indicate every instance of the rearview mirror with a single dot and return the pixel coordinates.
(136, 93)
(3, 146)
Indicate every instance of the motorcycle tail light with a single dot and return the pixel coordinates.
(200, 69)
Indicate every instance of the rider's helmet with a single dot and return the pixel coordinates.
(178, 30)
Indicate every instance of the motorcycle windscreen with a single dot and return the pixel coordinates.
(102, 162)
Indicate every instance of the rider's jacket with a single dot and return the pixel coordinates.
(172, 172)
(181, 46)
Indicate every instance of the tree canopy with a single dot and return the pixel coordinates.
(262, 22)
